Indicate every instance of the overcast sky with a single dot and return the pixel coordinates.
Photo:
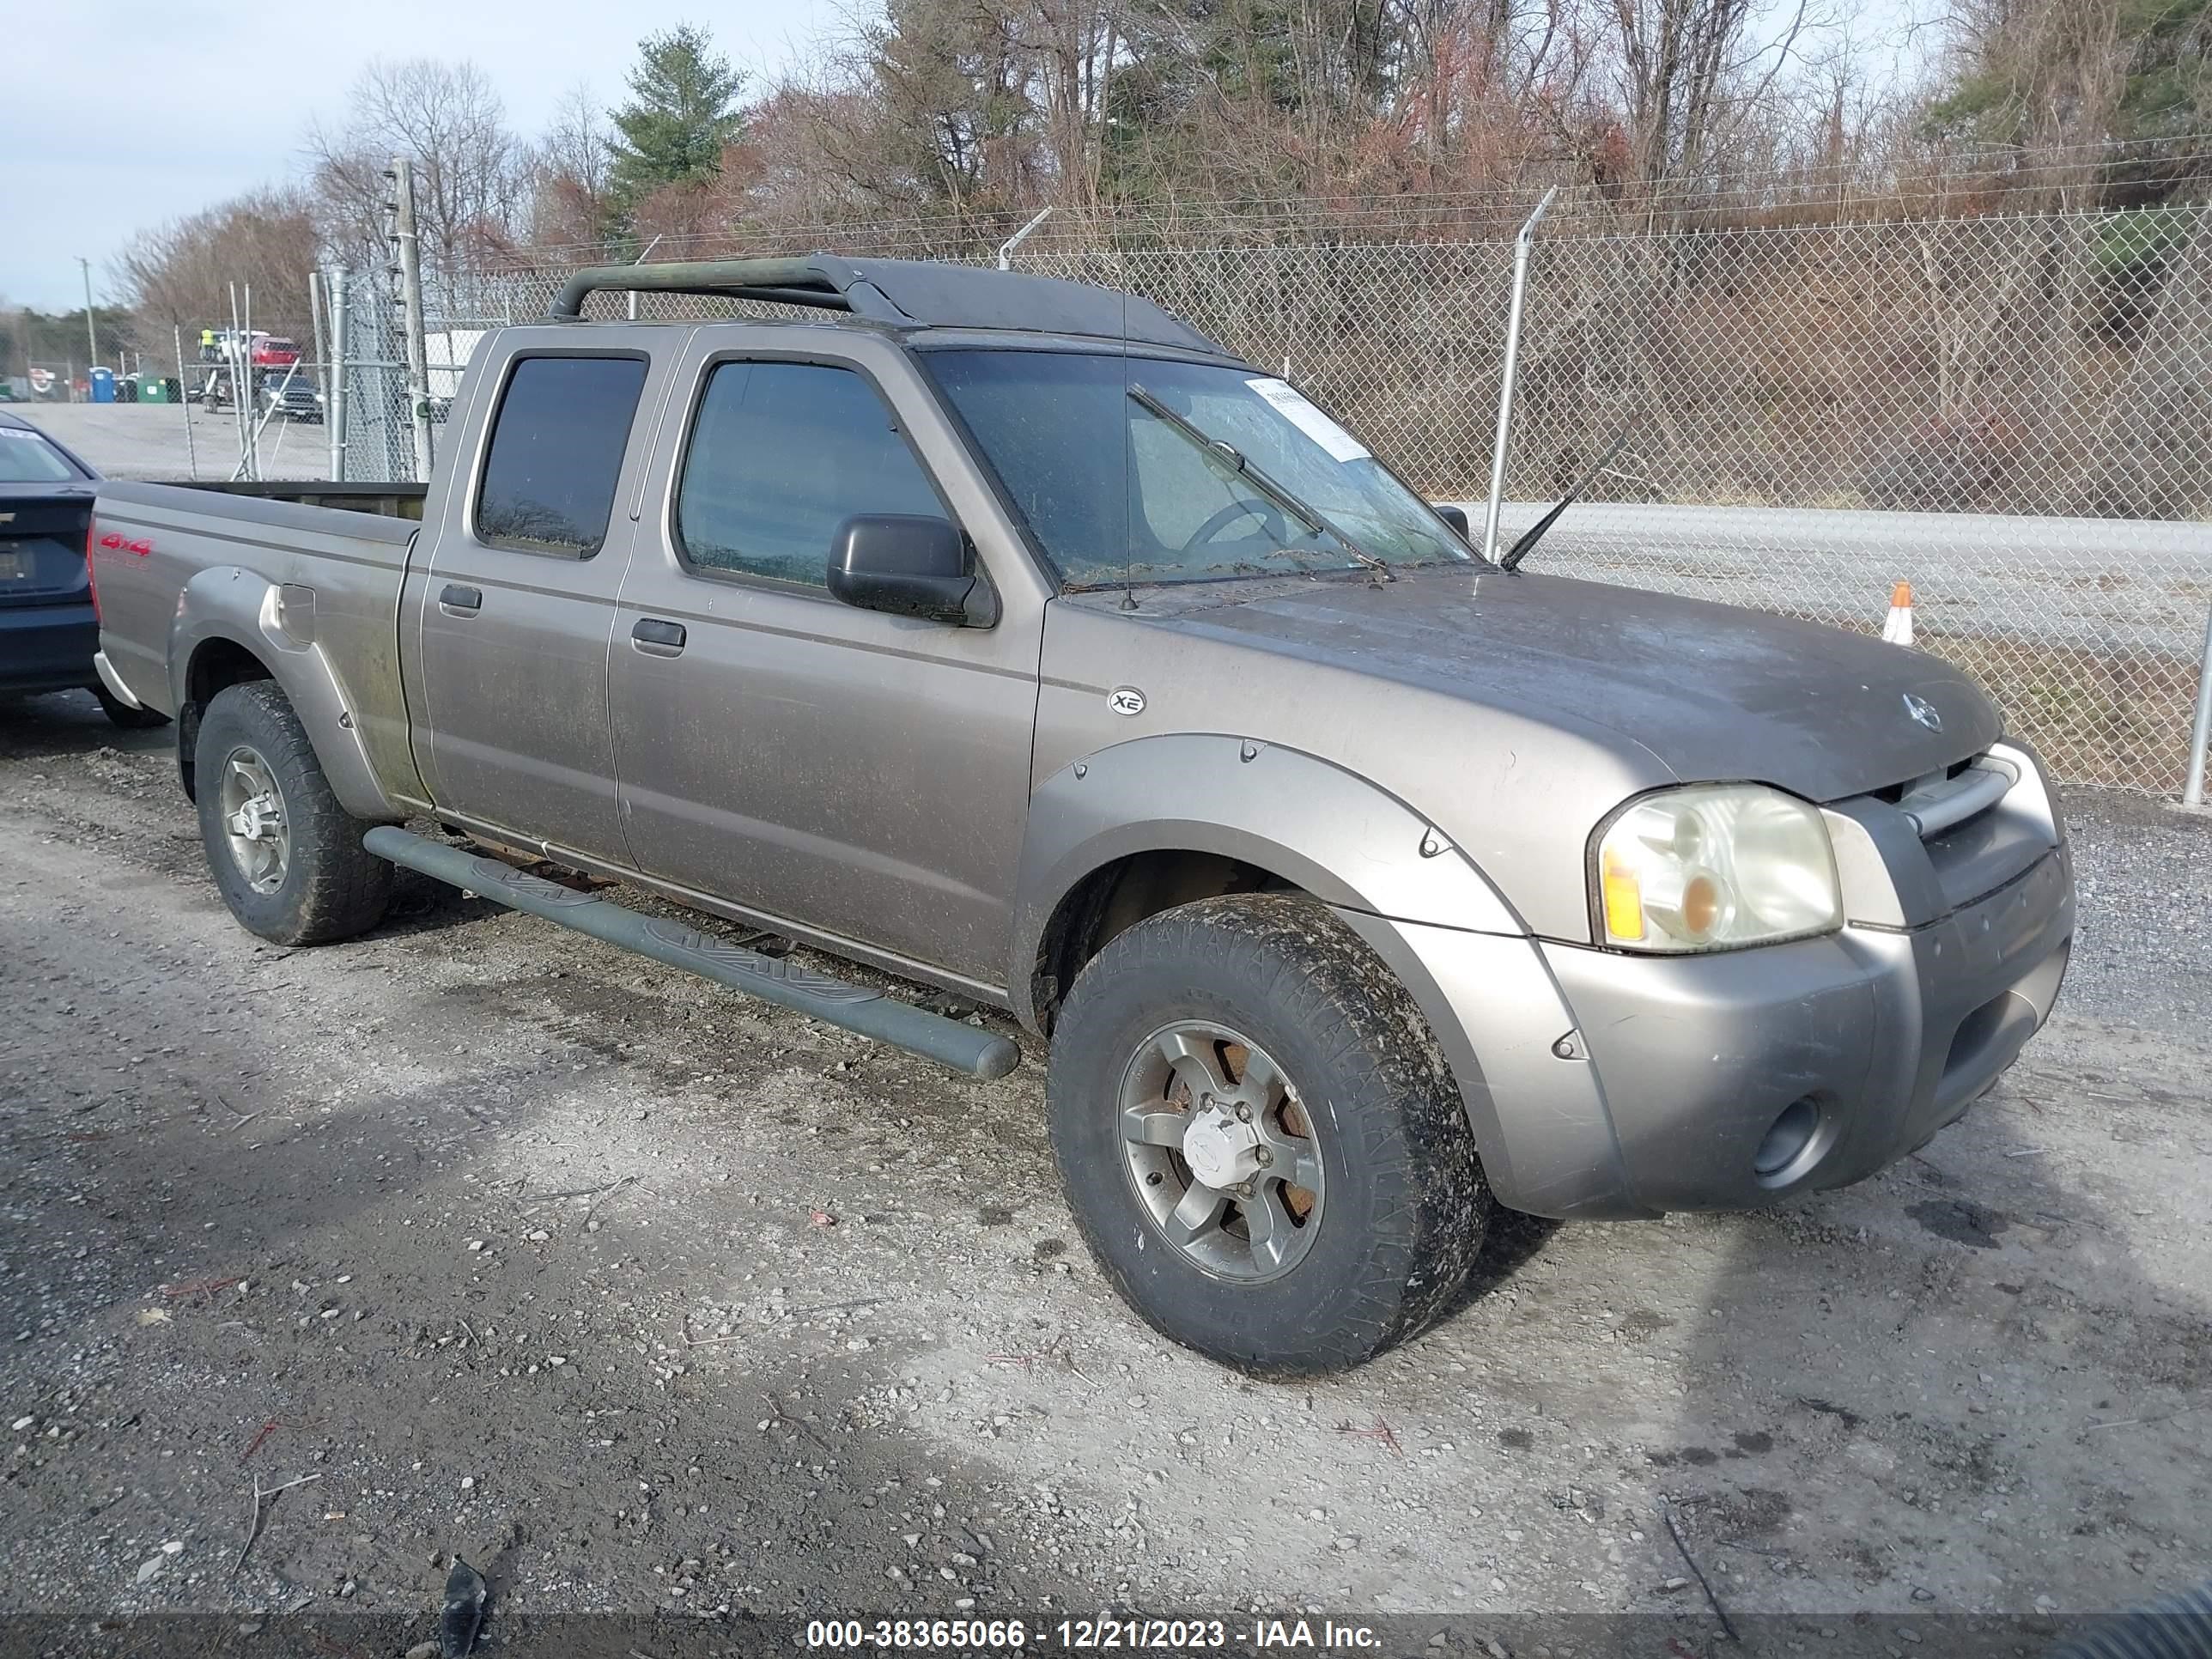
(118, 114)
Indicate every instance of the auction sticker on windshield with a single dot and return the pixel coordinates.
(1305, 414)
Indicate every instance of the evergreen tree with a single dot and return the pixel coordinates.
(2029, 75)
(681, 114)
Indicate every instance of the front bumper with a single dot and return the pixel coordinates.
(1887, 1035)
(47, 648)
(1603, 1085)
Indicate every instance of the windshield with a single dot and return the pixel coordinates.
(27, 458)
(1241, 476)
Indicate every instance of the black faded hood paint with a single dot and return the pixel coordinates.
(1715, 692)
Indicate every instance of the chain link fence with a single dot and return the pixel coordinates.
(377, 436)
(2015, 415)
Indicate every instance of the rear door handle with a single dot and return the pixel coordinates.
(459, 598)
(657, 638)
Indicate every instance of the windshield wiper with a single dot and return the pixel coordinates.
(1535, 533)
(1232, 461)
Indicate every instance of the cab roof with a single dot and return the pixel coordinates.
(903, 293)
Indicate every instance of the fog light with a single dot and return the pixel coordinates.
(1787, 1138)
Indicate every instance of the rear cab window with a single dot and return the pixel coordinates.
(554, 454)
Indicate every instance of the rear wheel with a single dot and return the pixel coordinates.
(124, 716)
(286, 856)
(1261, 1147)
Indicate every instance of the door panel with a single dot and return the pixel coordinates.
(861, 774)
(515, 609)
(517, 732)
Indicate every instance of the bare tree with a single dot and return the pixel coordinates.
(1073, 46)
(571, 202)
(470, 173)
(179, 274)
(1692, 72)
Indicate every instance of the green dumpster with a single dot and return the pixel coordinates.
(153, 389)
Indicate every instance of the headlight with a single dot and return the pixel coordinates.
(1712, 867)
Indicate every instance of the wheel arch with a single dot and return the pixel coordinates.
(1099, 854)
(234, 626)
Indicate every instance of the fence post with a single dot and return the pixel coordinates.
(1509, 374)
(185, 405)
(334, 411)
(319, 285)
(410, 306)
(640, 260)
(1006, 248)
(235, 357)
(2200, 729)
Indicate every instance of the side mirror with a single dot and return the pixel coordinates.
(909, 566)
(1453, 516)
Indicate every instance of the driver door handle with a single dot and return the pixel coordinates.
(657, 638)
(456, 596)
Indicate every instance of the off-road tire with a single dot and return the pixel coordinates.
(332, 887)
(1406, 1207)
(123, 716)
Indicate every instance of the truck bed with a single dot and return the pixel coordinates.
(188, 576)
(390, 501)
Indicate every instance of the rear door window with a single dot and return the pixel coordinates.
(556, 454)
(781, 455)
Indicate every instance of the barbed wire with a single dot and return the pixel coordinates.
(1853, 187)
(1076, 227)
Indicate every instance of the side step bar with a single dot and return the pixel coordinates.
(855, 1008)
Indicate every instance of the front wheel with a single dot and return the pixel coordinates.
(1260, 1145)
(286, 856)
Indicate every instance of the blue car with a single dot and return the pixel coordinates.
(48, 628)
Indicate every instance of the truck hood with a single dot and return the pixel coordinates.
(1713, 692)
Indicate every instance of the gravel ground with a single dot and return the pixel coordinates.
(2144, 878)
(647, 1299)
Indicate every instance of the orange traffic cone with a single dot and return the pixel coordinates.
(1898, 630)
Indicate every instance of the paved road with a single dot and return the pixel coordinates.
(650, 1299)
(2104, 585)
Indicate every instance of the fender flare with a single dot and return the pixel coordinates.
(1347, 841)
(276, 624)
(1397, 881)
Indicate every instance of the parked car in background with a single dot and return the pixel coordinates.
(289, 393)
(49, 630)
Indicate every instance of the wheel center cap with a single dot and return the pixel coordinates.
(1220, 1150)
(257, 818)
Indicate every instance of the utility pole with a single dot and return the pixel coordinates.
(402, 174)
(91, 339)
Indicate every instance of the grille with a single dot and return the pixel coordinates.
(1940, 802)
